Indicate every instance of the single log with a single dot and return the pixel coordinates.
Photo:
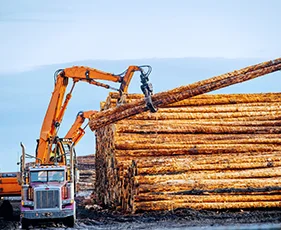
(200, 161)
(215, 175)
(171, 205)
(177, 168)
(112, 115)
(185, 186)
(192, 139)
(156, 143)
(220, 109)
(207, 198)
(203, 117)
(196, 122)
(242, 97)
(160, 137)
(185, 129)
(223, 103)
(150, 161)
(189, 116)
(203, 148)
(195, 151)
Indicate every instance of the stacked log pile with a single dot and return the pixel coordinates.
(87, 172)
(206, 152)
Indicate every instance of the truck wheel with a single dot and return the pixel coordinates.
(24, 223)
(69, 221)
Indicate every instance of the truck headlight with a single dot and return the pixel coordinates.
(27, 203)
(67, 201)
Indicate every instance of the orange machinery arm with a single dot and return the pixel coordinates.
(57, 106)
(76, 132)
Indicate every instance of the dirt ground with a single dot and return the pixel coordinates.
(180, 219)
(184, 218)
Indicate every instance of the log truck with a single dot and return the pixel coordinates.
(48, 183)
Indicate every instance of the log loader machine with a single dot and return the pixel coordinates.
(48, 184)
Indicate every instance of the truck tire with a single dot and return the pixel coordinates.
(7, 210)
(24, 223)
(69, 221)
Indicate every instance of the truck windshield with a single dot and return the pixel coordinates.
(47, 176)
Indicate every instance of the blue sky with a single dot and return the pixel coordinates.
(49, 32)
(38, 37)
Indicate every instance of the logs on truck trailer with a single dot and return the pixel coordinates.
(206, 152)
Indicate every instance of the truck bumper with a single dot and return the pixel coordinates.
(47, 214)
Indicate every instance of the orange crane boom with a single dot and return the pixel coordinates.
(76, 132)
(59, 101)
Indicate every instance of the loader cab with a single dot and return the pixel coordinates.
(60, 150)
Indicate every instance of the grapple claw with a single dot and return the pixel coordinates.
(147, 91)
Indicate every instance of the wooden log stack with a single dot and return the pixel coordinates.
(197, 151)
(207, 152)
(87, 173)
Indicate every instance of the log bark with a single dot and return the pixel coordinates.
(200, 149)
(171, 205)
(233, 101)
(222, 109)
(178, 168)
(197, 138)
(242, 97)
(183, 128)
(194, 151)
(185, 186)
(214, 175)
(202, 122)
(207, 198)
(174, 137)
(191, 163)
(248, 157)
(195, 116)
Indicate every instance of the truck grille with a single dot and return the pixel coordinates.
(47, 199)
